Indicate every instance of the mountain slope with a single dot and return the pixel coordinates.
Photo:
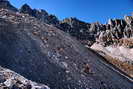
(113, 36)
(45, 54)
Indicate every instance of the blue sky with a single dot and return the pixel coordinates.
(86, 10)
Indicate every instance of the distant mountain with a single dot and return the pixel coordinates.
(33, 44)
(87, 33)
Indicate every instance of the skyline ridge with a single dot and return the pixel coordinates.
(88, 11)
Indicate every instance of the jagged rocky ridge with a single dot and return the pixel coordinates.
(86, 32)
(45, 54)
(40, 14)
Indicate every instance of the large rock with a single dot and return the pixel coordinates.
(12, 80)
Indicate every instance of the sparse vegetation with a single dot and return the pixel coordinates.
(126, 42)
(124, 66)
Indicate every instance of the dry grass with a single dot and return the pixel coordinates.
(126, 42)
(124, 66)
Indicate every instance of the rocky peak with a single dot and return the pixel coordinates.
(70, 20)
(111, 22)
(128, 19)
(40, 14)
(73, 21)
(52, 19)
(43, 12)
(6, 5)
(26, 9)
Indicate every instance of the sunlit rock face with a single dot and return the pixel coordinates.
(117, 42)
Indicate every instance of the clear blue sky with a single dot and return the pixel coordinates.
(86, 10)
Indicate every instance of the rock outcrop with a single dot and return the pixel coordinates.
(39, 14)
(116, 42)
(12, 80)
(77, 28)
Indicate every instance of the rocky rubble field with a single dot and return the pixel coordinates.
(12, 80)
